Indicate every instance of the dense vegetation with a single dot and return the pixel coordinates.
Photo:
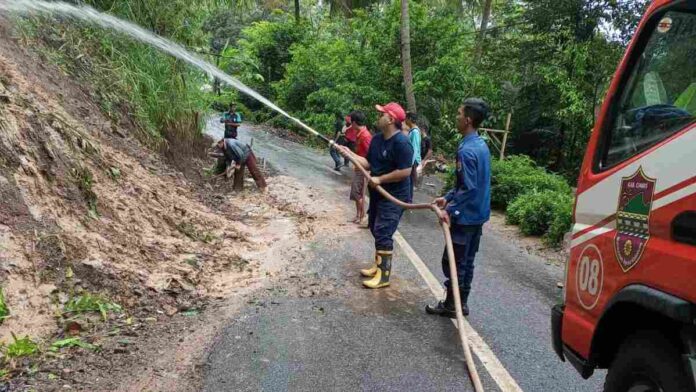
(546, 61)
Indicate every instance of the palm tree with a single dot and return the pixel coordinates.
(406, 56)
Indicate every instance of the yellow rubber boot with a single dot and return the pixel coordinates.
(381, 278)
(370, 272)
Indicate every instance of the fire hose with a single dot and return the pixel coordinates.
(471, 366)
(469, 360)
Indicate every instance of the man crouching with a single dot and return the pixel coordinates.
(237, 154)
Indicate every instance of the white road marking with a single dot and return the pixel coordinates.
(492, 364)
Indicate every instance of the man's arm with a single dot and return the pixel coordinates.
(346, 152)
(468, 175)
(394, 176)
(236, 120)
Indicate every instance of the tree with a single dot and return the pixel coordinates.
(484, 25)
(406, 57)
(346, 7)
(297, 11)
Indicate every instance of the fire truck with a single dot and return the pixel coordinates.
(629, 299)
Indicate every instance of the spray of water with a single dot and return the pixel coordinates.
(89, 14)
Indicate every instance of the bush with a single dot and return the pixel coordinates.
(518, 175)
(514, 213)
(561, 224)
(546, 212)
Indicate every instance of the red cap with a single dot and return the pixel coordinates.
(394, 110)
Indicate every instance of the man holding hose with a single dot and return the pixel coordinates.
(466, 207)
(389, 161)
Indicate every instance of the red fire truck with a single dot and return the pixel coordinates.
(629, 302)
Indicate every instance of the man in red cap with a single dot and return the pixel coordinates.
(389, 160)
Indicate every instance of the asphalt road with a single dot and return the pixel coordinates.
(352, 339)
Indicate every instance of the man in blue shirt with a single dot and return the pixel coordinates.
(232, 120)
(467, 206)
(389, 161)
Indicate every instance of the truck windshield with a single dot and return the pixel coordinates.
(660, 98)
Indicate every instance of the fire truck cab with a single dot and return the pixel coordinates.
(629, 299)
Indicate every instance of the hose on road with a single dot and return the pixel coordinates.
(469, 359)
(471, 366)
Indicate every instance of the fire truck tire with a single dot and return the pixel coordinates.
(646, 361)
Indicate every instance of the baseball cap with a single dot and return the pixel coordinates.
(393, 109)
(478, 105)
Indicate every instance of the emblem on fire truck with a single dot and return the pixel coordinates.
(633, 218)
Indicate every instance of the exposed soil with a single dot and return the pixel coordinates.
(531, 244)
(87, 212)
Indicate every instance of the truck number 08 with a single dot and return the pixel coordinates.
(589, 275)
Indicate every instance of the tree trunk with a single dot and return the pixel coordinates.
(484, 26)
(297, 11)
(406, 56)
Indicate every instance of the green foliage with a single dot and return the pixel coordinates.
(158, 93)
(547, 61)
(535, 212)
(539, 202)
(4, 309)
(266, 47)
(71, 342)
(517, 175)
(86, 303)
(561, 224)
(21, 347)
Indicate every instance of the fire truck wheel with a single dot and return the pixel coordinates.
(646, 362)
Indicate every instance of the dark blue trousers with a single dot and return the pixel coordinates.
(466, 244)
(337, 157)
(383, 218)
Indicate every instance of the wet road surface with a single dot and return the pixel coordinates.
(352, 339)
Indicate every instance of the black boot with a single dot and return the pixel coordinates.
(446, 308)
(443, 308)
(465, 298)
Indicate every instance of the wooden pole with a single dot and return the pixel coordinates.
(505, 136)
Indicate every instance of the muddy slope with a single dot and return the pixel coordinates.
(85, 210)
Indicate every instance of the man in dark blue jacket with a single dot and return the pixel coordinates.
(467, 206)
(389, 160)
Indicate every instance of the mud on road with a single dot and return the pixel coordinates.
(88, 213)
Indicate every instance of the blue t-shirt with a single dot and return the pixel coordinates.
(385, 156)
